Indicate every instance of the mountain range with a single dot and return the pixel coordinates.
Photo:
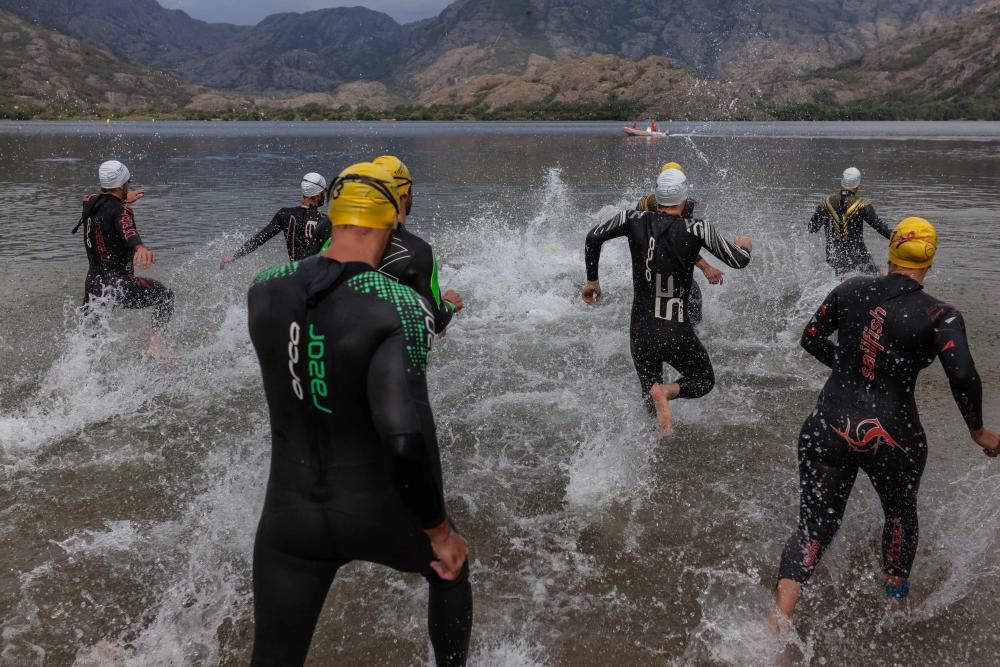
(743, 58)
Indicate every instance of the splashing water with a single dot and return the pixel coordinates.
(133, 487)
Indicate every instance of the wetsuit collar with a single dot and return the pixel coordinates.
(321, 275)
(902, 284)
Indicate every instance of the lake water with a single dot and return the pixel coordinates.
(131, 488)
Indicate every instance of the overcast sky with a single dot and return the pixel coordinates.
(250, 12)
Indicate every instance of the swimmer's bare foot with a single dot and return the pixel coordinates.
(894, 603)
(156, 349)
(661, 401)
(778, 622)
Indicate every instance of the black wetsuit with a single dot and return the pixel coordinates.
(111, 238)
(410, 260)
(694, 305)
(355, 468)
(888, 329)
(305, 230)
(843, 217)
(664, 251)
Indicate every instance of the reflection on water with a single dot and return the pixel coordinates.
(131, 488)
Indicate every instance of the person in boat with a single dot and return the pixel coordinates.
(843, 216)
(888, 329)
(664, 247)
(305, 226)
(114, 248)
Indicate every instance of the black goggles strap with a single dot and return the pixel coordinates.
(381, 186)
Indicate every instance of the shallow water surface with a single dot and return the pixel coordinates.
(131, 488)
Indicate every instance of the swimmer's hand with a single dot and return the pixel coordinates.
(450, 549)
(143, 257)
(988, 440)
(592, 292)
(714, 275)
(744, 242)
(134, 196)
(226, 261)
(455, 299)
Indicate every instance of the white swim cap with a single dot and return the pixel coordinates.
(671, 187)
(851, 178)
(313, 184)
(113, 174)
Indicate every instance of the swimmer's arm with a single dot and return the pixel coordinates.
(614, 228)
(427, 286)
(323, 229)
(714, 275)
(875, 222)
(818, 220)
(397, 394)
(952, 346)
(816, 337)
(735, 255)
(260, 238)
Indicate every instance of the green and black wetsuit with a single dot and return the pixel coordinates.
(843, 216)
(410, 260)
(355, 468)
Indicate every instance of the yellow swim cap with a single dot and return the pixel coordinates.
(913, 244)
(399, 171)
(364, 195)
(671, 165)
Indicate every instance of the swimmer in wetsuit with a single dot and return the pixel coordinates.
(888, 330)
(306, 227)
(694, 305)
(665, 247)
(843, 216)
(410, 260)
(114, 249)
(355, 468)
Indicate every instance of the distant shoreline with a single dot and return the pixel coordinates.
(900, 110)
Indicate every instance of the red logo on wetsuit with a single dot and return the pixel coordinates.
(870, 345)
(894, 552)
(869, 434)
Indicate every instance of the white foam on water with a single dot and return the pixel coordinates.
(734, 629)
(548, 452)
(202, 564)
(79, 388)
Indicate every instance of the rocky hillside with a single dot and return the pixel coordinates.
(931, 69)
(138, 30)
(315, 52)
(711, 38)
(321, 50)
(46, 70)
(951, 69)
(651, 86)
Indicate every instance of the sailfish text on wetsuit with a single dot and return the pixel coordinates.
(667, 303)
(870, 345)
(317, 367)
